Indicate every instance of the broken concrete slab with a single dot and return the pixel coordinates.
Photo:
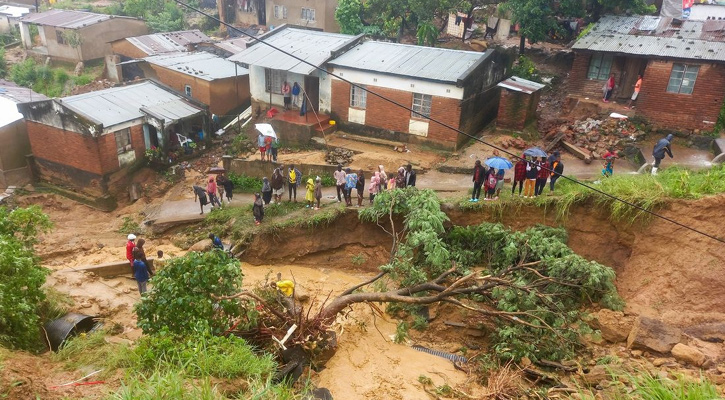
(578, 152)
(654, 335)
(162, 225)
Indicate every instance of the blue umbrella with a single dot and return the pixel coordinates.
(499, 163)
(534, 152)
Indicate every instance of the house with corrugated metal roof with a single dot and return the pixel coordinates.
(72, 36)
(682, 63)
(89, 141)
(453, 86)
(159, 43)
(14, 144)
(208, 78)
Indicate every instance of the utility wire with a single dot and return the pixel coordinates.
(576, 181)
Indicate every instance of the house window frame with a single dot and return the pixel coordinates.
(187, 90)
(596, 61)
(123, 141)
(59, 37)
(280, 10)
(269, 80)
(686, 69)
(422, 105)
(358, 97)
(310, 14)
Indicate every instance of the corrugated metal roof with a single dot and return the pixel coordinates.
(14, 12)
(521, 85)
(67, 18)
(200, 64)
(697, 40)
(236, 45)
(314, 47)
(18, 94)
(124, 103)
(430, 63)
(168, 42)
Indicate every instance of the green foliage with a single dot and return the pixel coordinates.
(21, 277)
(525, 68)
(401, 332)
(182, 301)
(129, 225)
(427, 34)
(653, 387)
(715, 132)
(246, 184)
(166, 385)
(170, 19)
(52, 82)
(347, 16)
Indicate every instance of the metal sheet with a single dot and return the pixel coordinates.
(314, 47)
(123, 104)
(430, 63)
(18, 94)
(67, 18)
(200, 65)
(521, 85)
(168, 42)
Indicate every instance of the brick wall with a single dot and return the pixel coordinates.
(64, 147)
(448, 111)
(580, 85)
(513, 110)
(382, 114)
(125, 48)
(674, 110)
(340, 100)
(109, 154)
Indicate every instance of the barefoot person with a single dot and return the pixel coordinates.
(318, 192)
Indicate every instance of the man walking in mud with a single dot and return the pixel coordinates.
(661, 148)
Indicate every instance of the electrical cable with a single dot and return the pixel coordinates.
(576, 181)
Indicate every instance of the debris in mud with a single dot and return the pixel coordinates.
(338, 155)
(594, 135)
(516, 143)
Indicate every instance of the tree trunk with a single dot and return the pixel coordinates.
(522, 45)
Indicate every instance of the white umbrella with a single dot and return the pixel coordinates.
(266, 130)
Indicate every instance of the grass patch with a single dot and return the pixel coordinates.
(650, 387)
(92, 350)
(56, 304)
(129, 225)
(250, 184)
(167, 385)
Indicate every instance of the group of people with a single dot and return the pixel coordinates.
(530, 175)
(291, 95)
(346, 181)
(608, 89)
(216, 189)
(268, 147)
(140, 267)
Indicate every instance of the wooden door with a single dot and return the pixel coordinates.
(312, 88)
(632, 68)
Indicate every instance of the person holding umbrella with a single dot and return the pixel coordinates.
(266, 140)
(262, 145)
(500, 164)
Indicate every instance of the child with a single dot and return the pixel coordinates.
(391, 183)
(374, 186)
(318, 191)
(490, 184)
(160, 261)
(258, 209)
(310, 195)
(140, 271)
(266, 191)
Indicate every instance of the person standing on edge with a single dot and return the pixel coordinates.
(608, 88)
(296, 94)
(374, 186)
(142, 254)
(266, 191)
(383, 178)
(275, 149)
(478, 174)
(339, 176)
(262, 145)
(310, 193)
(490, 184)
(130, 245)
(268, 140)
(662, 147)
(400, 179)
(541, 177)
(635, 94)
(360, 187)
(211, 190)
(287, 93)
(294, 180)
(318, 192)
(499, 182)
(350, 184)
(557, 168)
(258, 209)
(532, 171)
(519, 175)
(220, 179)
(140, 272)
(201, 194)
(278, 183)
(410, 176)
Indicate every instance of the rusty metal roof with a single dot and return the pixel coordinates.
(201, 65)
(521, 85)
(429, 63)
(18, 94)
(67, 18)
(657, 37)
(168, 42)
(236, 45)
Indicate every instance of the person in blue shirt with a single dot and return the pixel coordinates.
(140, 271)
(216, 243)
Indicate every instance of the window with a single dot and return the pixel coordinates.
(280, 12)
(682, 78)
(187, 90)
(358, 97)
(421, 105)
(308, 14)
(59, 37)
(123, 140)
(273, 80)
(599, 67)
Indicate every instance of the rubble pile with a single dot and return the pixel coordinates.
(93, 86)
(596, 135)
(340, 156)
(516, 143)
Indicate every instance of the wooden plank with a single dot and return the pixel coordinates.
(577, 151)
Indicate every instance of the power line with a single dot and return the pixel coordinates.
(512, 155)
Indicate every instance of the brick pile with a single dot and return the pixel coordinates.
(597, 135)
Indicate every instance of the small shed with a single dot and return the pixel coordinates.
(519, 99)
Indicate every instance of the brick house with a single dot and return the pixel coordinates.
(212, 80)
(319, 14)
(269, 68)
(682, 64)
(452, 86)
(519, 100)
(89, 141)
(94, 31)
(158, 43)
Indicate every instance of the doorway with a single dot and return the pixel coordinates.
(261, 12)
(632, 68)
(312, 89)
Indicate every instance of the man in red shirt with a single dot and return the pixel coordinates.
(129, 248)
(542, 176)
(519, 175)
